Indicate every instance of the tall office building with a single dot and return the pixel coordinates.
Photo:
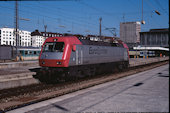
(129, 32)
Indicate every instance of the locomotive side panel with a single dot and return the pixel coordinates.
(89, 54)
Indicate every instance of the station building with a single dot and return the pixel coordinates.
(155, 42)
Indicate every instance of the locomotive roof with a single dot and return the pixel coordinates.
(99, 43)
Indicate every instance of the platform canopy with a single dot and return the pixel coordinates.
(151, 48)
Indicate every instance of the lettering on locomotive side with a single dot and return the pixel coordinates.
(97, 50)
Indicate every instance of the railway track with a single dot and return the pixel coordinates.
(22, 96)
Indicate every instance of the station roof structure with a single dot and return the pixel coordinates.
(151, 48)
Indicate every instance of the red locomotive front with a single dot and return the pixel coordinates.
(56, 51)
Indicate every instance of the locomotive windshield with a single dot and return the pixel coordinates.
(53, 47)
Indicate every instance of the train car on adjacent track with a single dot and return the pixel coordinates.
(71, 56)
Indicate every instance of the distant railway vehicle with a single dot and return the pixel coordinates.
(24, 53)
(71, 56)
(147, 53)
(29, 53)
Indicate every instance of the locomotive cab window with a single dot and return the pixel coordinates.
(53, 47)
(59, 46)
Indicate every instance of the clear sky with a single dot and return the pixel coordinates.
(82, 16)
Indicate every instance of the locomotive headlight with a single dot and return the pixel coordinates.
(58, 63)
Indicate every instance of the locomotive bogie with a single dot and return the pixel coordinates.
(53, 74)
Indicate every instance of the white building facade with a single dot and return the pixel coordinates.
(37, 39)
(7, 37)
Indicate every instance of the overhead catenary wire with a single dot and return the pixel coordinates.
(87, 21)
(67, 18)
(33, 13)
(62, 15)
(76, 22)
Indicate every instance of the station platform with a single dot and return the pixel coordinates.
(146, 91)
(143, 61)
(18, 64)
(14, 74)
(132, 62)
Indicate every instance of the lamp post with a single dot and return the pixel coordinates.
(156, 11)
(142, 22)
(100, 27)
(17, 26)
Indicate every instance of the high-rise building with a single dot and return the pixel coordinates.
(129, 32)
(8, 37)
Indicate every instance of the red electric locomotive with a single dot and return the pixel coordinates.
(71, 56)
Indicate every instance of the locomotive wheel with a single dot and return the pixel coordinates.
(73, 73)
(120, 67)
(92, 71)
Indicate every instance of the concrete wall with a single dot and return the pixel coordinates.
(5, 52)
(129, 32)
(157, 39)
